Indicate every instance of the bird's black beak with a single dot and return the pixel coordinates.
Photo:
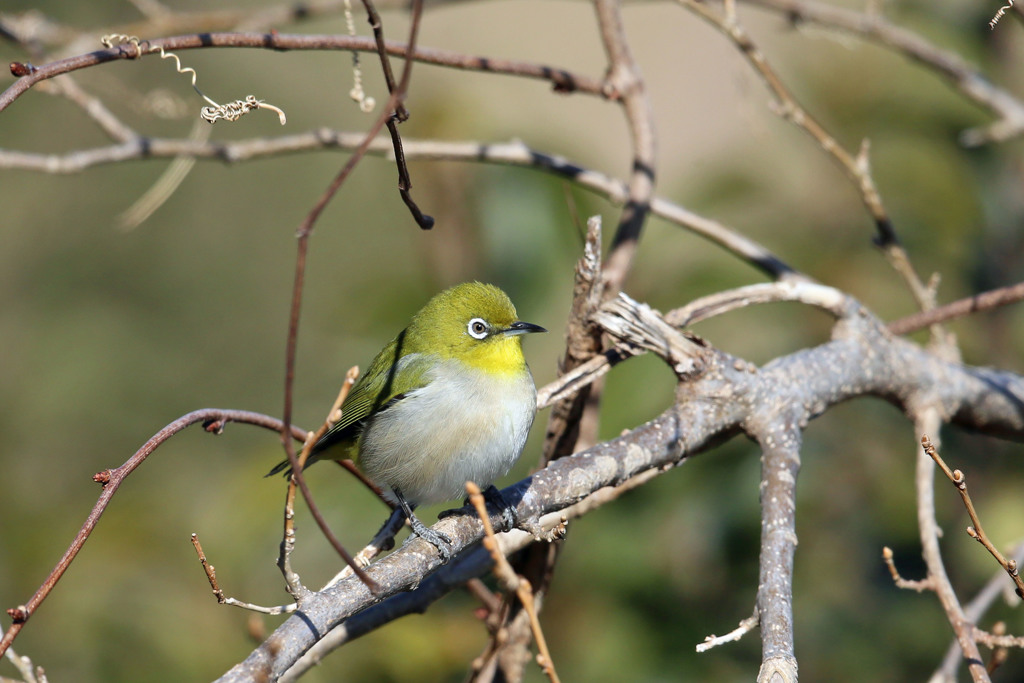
(519, 327)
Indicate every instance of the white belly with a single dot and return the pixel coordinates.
(463, 426)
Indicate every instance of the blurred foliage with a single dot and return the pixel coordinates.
(108, 335)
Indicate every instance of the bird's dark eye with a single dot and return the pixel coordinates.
(477, 328)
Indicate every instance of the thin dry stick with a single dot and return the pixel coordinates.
(288, 541)
(561, 79)
(95, 109)
(400, 115)
(972, 304)
(213, 421)
(303, 234)
(29, 673)
(999, 653)
(745, 627)
(959, 480)
(873, 27)
(511, 581)
(927, 420)
(974, 611)
(994, 640)
(906, 584)
(827, 298)
(514, 153)
(625, 84)
(165, 186)
(211, 576)
(856, 167)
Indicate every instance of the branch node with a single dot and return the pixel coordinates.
(19, 614)
(19, 69)
(214, 426)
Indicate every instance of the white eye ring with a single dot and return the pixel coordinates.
(477, 328)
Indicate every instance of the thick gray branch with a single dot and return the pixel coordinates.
(780, 438)
(729, 397)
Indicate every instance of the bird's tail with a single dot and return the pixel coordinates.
(285, 467)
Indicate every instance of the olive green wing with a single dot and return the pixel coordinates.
(390, 377)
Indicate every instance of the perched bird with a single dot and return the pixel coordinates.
(449, 400)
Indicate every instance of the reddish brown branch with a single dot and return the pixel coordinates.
(303, 234)
(208, 569)
(562, 80)
(213, 420)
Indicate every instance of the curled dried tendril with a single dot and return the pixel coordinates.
(216, 111)
(999, 15)
(232, 111)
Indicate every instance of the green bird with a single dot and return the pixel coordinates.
(449, 400)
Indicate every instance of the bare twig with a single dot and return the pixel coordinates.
(974, 610)
(745, 627)
(213, 421)
(998, 640)
(164, 187)
(856, 166)
(1000, 652)
(512, 582)
(927, 422)
(908, 584)
(400, 113)
(959, 480)
(972, 304)
(295, 587)
(624, 83)
(967, 80)
(514, 153)
(810, 293)
(29, 672)
(562, 80)
(640, 325)
(211, 576)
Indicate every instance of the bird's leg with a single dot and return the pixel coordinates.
(435, 538)
(509, 516)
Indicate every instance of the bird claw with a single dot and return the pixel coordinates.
(509, 516)
(435, 538)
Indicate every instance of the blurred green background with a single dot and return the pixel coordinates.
(108, 335)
